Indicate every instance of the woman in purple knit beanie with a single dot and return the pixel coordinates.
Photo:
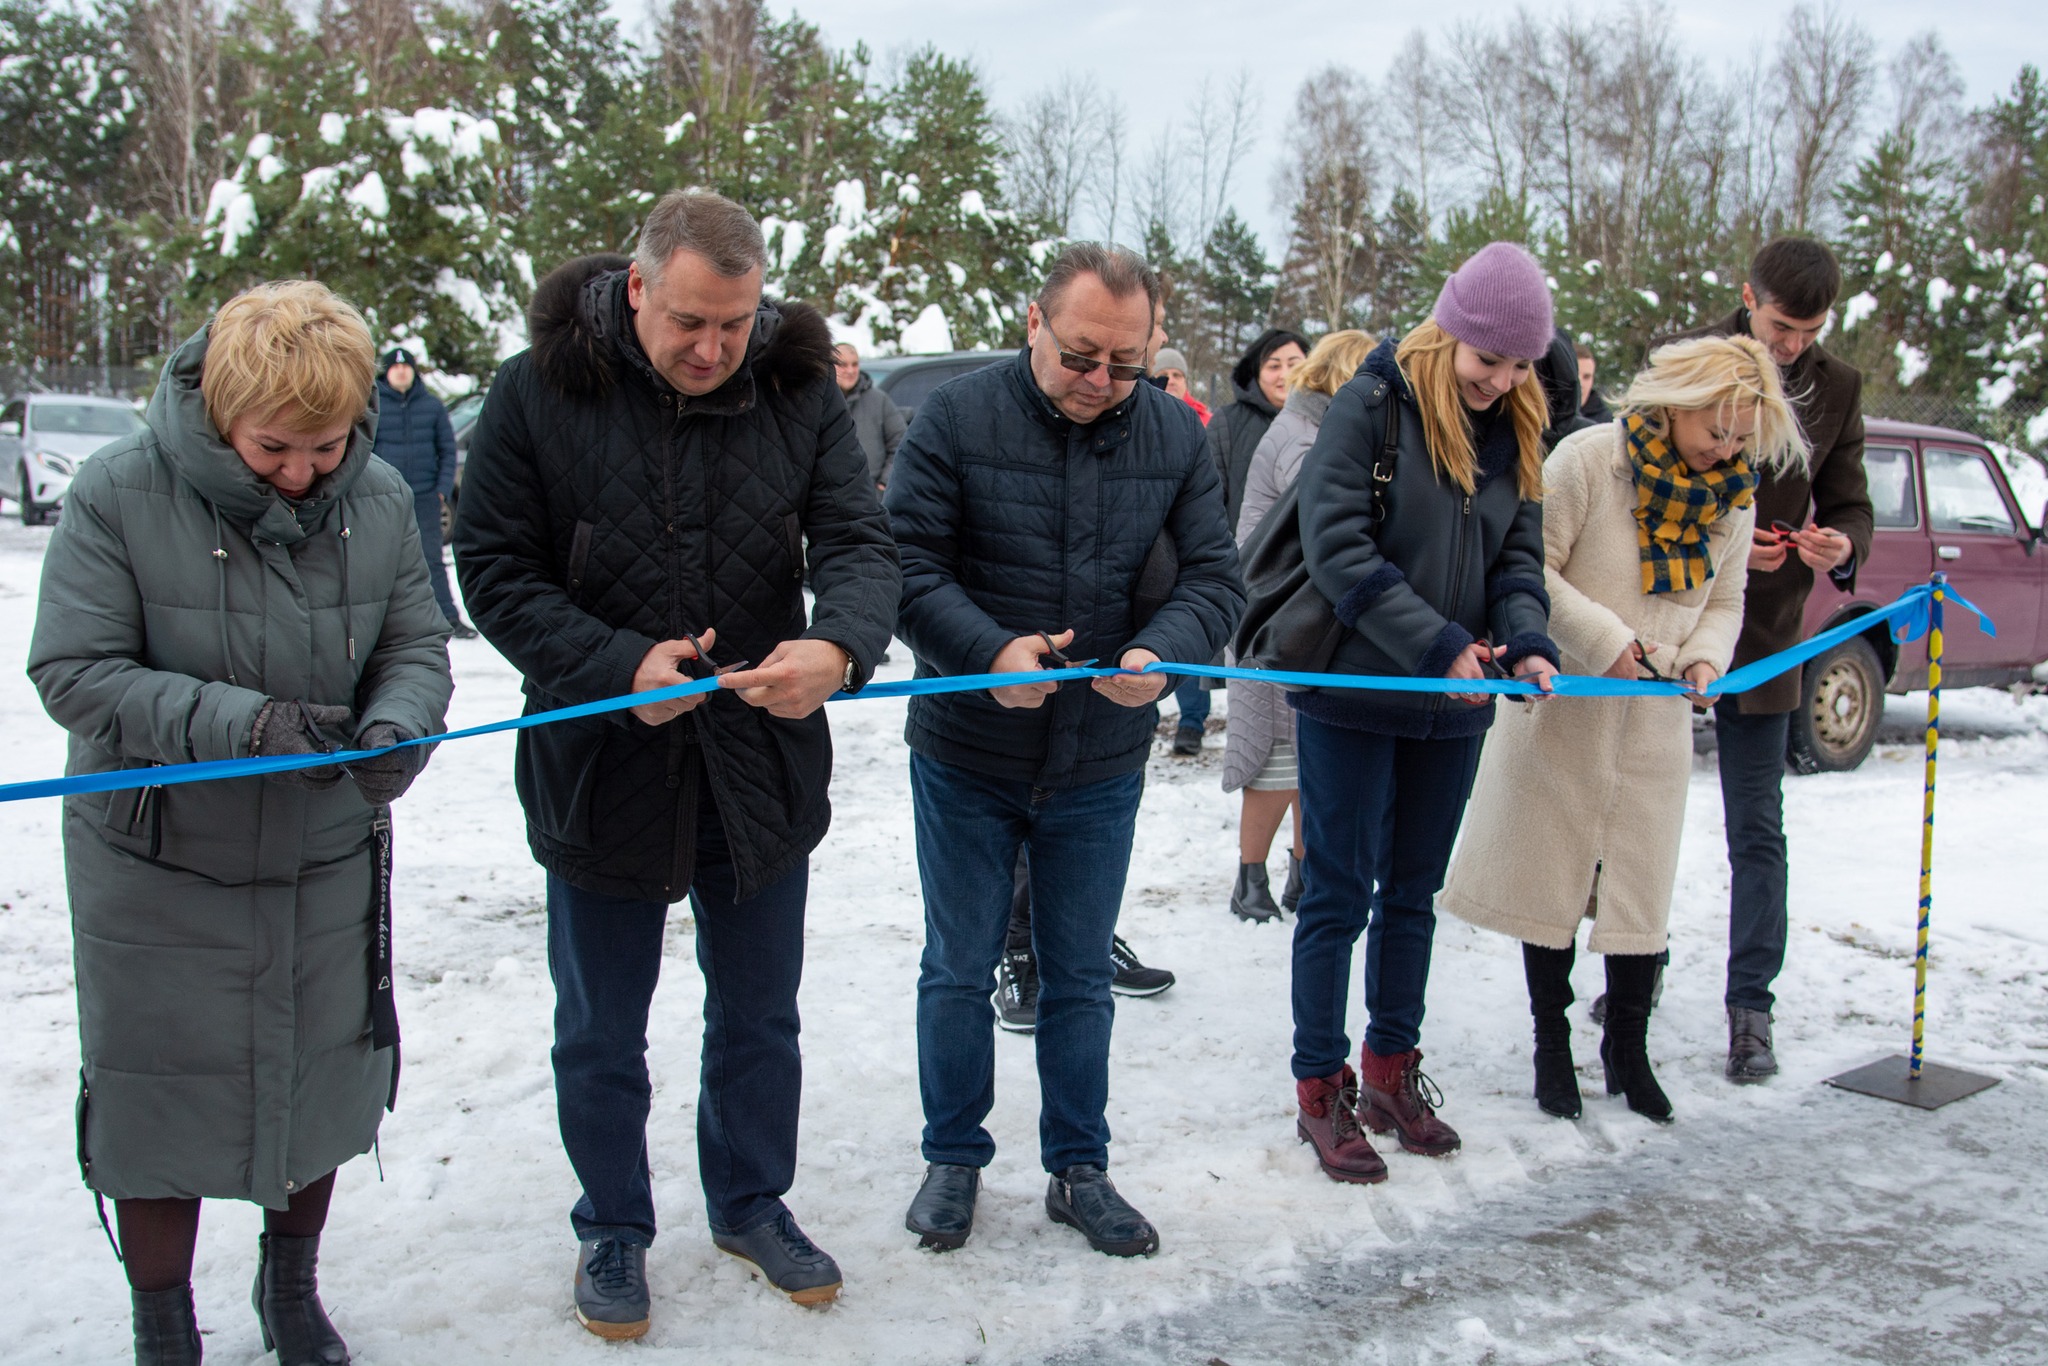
(1420, 523)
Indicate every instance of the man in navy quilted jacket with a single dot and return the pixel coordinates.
(1047, 508)
(413, 434)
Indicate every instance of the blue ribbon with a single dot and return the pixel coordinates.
(1907, 618)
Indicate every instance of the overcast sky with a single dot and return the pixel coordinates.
(1154, 55)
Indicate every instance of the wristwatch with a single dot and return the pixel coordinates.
(852, 675)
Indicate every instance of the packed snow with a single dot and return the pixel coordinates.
(1788, 1222)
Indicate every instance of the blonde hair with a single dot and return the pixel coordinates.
(1427, 356)
(1332, 361)
(291, 348)
(1722, 373)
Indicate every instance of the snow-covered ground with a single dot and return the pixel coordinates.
(1787, 1222)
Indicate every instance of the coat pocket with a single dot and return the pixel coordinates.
(793, 544)
(579, 559)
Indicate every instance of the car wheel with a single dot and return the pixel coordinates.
(1840, 704)
(31, 512)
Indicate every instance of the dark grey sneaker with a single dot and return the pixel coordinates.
(1017, 991)
(942, 1212)
(611, 1288)
(781, 1255)
(1082, 1197)
(1132, 977)
(1187, 742)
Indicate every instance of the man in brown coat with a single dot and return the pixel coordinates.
(1792, 285)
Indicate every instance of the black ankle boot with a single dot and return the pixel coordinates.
(287, 1299)
(1290, 895)
(166, 1333)
(1549, 972)
(1252, 898)
(1624, 1048)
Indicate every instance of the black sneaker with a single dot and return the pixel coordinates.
(1132, 977)
(462, 629)
(1187, 742)
(1082, 1197)
(1017, 991)
(781, 1255)
(611, 1288)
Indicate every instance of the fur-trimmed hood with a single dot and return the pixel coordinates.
(583, 339)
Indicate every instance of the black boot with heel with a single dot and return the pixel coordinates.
(166, 1331)
(1549, 972)
(287, 1299)
(1624, 1049)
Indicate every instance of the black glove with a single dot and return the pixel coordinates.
(297, 727)
(385, 778)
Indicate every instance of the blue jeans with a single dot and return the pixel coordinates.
(1379, 816)
(1194, 704)
(1750, 753)
(426, 507)
(969, 830)
(605, 955)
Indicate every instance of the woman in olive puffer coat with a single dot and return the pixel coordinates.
(239, 578)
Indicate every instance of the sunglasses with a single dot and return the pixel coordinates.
(1088, 365)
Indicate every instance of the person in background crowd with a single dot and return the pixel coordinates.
(228, 936)
(1258, 756)
(413, 436)
(1437, 575)
(1170, 368)
(1259, 381)
(640, 490)
(1029, 499)
(1591, 404)
(1557, 368)
(1791, 288)
(876, 419)
(1646, 535)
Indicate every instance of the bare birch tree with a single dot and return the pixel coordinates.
(1827, 67)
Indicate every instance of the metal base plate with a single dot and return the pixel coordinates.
(1891, 1079)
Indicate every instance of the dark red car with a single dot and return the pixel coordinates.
(1942, 502)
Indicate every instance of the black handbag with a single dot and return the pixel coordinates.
(1288, 624)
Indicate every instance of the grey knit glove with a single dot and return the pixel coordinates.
(385, 778)
(299, 727)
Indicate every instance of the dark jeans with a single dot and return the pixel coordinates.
(427, 508)
(969, 830)
(1751, 757)
(1379, 816)
(1194, 704)
(605, 955)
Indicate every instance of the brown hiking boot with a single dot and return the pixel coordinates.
(1329, 1120)
(1396, 1098)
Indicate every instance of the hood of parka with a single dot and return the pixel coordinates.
(177, 417)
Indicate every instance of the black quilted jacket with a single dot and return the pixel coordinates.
(603, 512)
(1014, 519)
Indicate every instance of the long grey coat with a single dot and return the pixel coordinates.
(1259, 713)
(222, 931)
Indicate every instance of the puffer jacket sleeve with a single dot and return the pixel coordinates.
(1275, 463)
(444, 450)
(1208, 595)
(939, 621)
(406, 680)
(1368, 591)
(1517, 603)
(503, 562)
(855, 572)
(86, 654)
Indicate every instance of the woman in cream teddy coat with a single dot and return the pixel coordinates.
(1578, 803)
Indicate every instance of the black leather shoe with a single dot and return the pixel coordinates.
(166, 1333)
(1082, 1197)
(1749, 1045)
(1187, 742)
(942, 1211)
(462, 629)
(1290, 895)
(287, 1300)
(1252, 898)
(781, 1255)
(611, 1288)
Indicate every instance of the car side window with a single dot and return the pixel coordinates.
(916, 386)
(1963, 495)
(1893, 499)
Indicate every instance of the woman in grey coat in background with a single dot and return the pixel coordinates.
(1258, 757)
(239, 578)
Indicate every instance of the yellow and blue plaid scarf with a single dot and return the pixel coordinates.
(1674, 508)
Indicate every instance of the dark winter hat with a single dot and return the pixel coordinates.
(398, 355)
(1499, 302)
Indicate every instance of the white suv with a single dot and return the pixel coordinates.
(44, 438)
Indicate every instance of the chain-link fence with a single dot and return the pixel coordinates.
(2015, 424)
(109, 381)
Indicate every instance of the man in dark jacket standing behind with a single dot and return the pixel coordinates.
(413, 435)
(876, 418)
(1048, 507)
(639, 490)
(1792, 284)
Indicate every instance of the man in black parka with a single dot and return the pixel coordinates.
(1047, 507)
(415, 437)
(641, 483)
